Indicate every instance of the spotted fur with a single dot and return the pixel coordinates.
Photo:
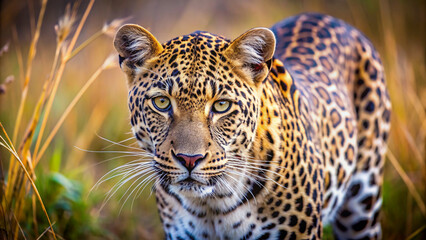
(300, 146)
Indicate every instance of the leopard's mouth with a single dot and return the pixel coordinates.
(192, 188)
(189, 181)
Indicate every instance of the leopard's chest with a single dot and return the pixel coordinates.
(182, 224)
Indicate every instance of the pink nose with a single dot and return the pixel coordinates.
(189, 161)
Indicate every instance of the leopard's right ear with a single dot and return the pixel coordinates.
(135, 45)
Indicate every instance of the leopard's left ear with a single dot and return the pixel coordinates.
(253, 51)
(136, 45)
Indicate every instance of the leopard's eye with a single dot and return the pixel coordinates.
(161, 103)
(221, 106)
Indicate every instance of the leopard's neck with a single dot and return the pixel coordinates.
(282, 144)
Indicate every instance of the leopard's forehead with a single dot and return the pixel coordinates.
(197, 42)
(195, 54)
(193, 69)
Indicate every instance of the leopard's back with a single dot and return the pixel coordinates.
(346, 107)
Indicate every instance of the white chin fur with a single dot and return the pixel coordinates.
(195, 191)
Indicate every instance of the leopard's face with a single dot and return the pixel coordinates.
(194, 104)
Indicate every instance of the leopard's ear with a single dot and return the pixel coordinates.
(253, 51)
(135, 45)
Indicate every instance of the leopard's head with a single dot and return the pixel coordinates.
(194, 104)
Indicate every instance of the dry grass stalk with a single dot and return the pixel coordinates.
(17, 186)
(31, 55)
(20, 228)
(48, 230)
(60, 71)
(408, 128)
(416, 233)
(410, 185)
(107, 64)
(62, 31)
(18, 54)
(9, 146)
(12, 192)
(108, 29)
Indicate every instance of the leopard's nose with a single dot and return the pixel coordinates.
(189, 161)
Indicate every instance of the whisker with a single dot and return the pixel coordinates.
(263, 178)
(251, 177)
(158, 182)
(252, 159)
(149, 173)
(141, 153)
(126, 178)
(113, 158)
(120, 143)
(257, 169)
(117, 143)
(147, 182)
(247, 165)
(120, 170)
(141, 186)
(255, 181)
(128, 189)
(256, 166)
(242, 194)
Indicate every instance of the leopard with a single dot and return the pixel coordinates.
(272, 135)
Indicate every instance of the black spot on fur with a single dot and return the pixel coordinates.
(360, 225)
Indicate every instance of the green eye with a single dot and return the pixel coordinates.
(221, 106)
(161, 103)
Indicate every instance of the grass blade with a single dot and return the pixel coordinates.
(105, 65)
(12, 150)
(410, 185)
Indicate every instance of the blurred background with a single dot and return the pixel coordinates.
(75, 107)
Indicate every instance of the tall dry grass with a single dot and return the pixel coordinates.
(56, 96)
(31, 146)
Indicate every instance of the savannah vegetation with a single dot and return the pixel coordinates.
(64, 119)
